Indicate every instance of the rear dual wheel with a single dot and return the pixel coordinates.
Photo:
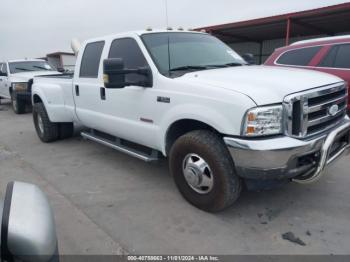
(49, 131)
(18, 105)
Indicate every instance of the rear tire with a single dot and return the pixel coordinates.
(204, 150)
(46, 130)
(18, 105)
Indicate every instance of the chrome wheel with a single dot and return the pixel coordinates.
(40, 124)
(197, 174)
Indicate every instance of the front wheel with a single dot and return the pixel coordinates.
(203, 171)
(46, 130)
(18, 105)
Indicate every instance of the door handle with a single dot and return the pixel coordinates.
(103, 93)
(76, 90)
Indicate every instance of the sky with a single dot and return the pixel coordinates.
(33, 28)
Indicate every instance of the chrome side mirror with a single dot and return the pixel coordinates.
(28, 228)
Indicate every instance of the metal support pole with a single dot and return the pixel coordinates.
(288, 30)
(261, 52)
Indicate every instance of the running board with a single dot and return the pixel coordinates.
(117, 145)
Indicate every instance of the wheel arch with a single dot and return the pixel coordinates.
(37, 99)
(181, 127)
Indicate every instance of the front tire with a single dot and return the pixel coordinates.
(46, 130)
(18, 105)
(204, 171)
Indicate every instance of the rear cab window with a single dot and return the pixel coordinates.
(90, 61)
(298, 57)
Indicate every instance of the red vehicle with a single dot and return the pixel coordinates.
(329, 54)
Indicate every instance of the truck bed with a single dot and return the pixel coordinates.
(66, 76)
(64, 80)
(58, 88)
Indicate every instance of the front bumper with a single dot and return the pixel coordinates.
(289, 158)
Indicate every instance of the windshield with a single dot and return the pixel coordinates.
(27, 66)
(174, 52)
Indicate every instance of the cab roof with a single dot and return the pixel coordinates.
(139, 33)
(322, 39)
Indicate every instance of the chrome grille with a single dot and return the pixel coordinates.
(315, 111)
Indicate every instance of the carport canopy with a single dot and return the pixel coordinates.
(331, 20)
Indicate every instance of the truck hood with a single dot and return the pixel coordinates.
(263, 84)
(26, 76)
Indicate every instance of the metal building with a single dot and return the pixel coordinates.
(263, 35)
(62, 60)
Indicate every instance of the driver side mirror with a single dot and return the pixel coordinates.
(3, 74)
(249, 58)
(27, 229)
(114, 74)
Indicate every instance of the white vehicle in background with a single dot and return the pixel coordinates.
(189, 97)
(16, 79)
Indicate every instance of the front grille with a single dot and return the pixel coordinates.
(315, 111)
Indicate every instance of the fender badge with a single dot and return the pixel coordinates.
(163, 99)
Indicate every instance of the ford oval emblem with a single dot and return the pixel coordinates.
(333, 110)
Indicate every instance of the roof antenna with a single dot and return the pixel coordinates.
(166, 13)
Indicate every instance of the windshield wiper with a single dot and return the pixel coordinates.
(190, 67)
(203, 67)
(225, 65)
(40, 67)
(23, 69)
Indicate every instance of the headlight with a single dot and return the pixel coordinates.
(20, 86)
(262, 121)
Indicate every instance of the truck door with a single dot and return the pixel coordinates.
(129, 112)
(86, 84)
(126, 112)
(337, 62)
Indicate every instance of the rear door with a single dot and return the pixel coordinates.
(87, 83)
(337, 61)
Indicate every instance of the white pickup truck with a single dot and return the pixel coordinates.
(189, 97)
(16, 79)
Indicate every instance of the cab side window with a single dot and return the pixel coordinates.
(337, 57)
(128, 50)
(90, 61)
(299, 57)
(342, 59)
